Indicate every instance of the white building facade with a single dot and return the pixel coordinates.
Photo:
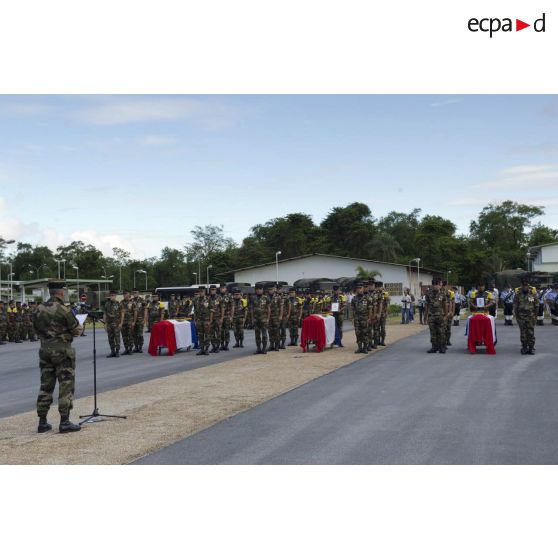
(545, 258)
(395, 276)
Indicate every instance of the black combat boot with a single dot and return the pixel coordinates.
(524, 350)
(442, 349)
(259, 349)
(67, 426)
(117, 353)
(44, 426)
(531, 350)
(432, 350)
(213, 349)
(382, 342)
(112, 354)
(200, 352)
(225, 347)
(264, 348)
(236, 345)
(242, 343)
(126, 352)
(359, 349)
(282, 344)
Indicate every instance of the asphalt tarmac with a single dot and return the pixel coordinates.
(20, 377)
(401, 406)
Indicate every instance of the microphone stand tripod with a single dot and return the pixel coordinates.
(95, 416)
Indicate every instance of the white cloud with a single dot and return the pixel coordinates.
(209, 113)
(24, 108)
(104, 242)
(158, 140)
(444, 103)
(523, 177)
(141, 110)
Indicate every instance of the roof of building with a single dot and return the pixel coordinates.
(335, 257)
(69, 281)
(543, 245)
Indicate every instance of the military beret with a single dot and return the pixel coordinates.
(236, 290)
(360, 284)
(292, 289)
(201, 288)
(127, 291)
(52, 285)
(524, 280)
(335, 287)
(212, 286)
(222, 285)
(113, 292)
(379, 283)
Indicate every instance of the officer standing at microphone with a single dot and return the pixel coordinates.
(56, 327)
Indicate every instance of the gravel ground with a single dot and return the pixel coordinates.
(164, 410)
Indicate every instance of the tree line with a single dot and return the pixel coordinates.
(498, 239)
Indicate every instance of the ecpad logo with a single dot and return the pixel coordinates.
(493, 25)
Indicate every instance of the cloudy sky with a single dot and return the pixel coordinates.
(139, 172)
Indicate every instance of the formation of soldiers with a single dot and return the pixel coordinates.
(522, 303)
(370, 309)
(16, 322)
(270, 314)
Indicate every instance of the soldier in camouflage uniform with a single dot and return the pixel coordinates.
(227, 304)
(139, 324)
(435, 315)
(154, 311)
(173, 307)
(11, 327)
(31, 333)
(260, 311)
(3, 323)
(525, 310)
(384, 301)
(275, 318)
(283, 325)
(450, 305)
(341, 300)
(216, 305)
(56, 326)
(293, 310)
(27, 324)
(112, 318)
(128, 317)
(307, 307)
(362, 315)
(203, 317)
(239, 312)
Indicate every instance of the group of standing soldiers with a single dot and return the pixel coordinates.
(270, 314)
(440, 307)
(370, 307)
(16, 322)
(127, 318)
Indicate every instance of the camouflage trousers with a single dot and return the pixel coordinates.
(13, 330)
(215, 333)
(238, 327)
(202, 328)
(436, 323)
(448, 324)
(3, 330)
(57, 362)
(361, 330)
(376, 331)
(382, 328)
(274, 331)
(138, 334)
(151, 321)
(260, 329)
(29, 332)
(293, 329)
(113, 332)
(526, 330)
(226, 331)
(128, 335)
(283, 331)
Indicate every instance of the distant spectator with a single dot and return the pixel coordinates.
(406, 307)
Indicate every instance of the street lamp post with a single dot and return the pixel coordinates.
(11, 279)
(77, 276)
(194, 273)
(528, 261)
(277, 254)
(447, 275)
(140, 271)
(208, 268)
(418, 273)
(64, 262)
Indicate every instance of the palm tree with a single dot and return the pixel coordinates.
(362, 273)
